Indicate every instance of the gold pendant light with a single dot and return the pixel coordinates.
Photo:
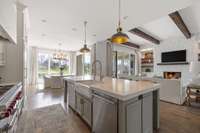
(119, 37)
(85, 49)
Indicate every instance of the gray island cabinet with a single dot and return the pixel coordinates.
(136, 115)
(70, 93)
(84, 108)
(116, 105)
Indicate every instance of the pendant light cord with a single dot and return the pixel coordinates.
(85, 23)
(119, 23)
(59, 47)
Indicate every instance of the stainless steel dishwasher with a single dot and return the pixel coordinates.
(104, 114)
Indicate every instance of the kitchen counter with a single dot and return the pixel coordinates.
(118, 88)
(124, 89)
(78, 78)
(98, 103)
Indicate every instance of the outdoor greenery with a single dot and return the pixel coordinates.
(87, 64)
(47, 65)
(44, 71)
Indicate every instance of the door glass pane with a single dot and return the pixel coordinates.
(87, 64)
(132, 64)
(123, 64)
(114, 66)
(54, 66)
(43, 61)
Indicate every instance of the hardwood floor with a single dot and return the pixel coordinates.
(179, 119)
(42, 98)
(173, 118)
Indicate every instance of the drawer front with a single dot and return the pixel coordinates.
(71, 94)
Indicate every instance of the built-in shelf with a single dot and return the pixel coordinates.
(174, 63)
(147, 61)
(147, 65)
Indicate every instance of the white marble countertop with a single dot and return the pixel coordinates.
(124, 89)
(79, 78)
(118, 88)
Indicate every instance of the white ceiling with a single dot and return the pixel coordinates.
(164, 28)
(191, 17)
(64, 15)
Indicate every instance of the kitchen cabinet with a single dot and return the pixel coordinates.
(147, 111)
(65, 92)
(134, 117)
(136, 114)
(123, 64)
(8, 18)
(84, 108)
(117, 61)
(102, 51)
(79, 104)
(2, 53)
(87, 111)
(71, 94)
(107, 112)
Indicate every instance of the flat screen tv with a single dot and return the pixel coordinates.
(174, 56)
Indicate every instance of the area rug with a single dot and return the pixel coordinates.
(51, 119)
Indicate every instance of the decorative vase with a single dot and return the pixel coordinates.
(61, 71)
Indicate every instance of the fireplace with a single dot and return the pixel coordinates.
(172, 75)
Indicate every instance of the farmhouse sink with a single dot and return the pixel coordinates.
(83, 87)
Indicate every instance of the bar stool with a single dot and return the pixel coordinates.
(193, 93)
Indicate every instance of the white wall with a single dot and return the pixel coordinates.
(173, 44)
(8, 18)
(10, 71)
(103, 54)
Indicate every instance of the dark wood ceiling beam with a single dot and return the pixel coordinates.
(130, 44)
(4, 39)
(177, 19)
(144, 35)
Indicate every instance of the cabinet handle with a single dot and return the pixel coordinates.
(82, 101)
(82, 108)
(140, 97)
(104, 99)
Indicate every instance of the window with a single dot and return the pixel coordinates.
(87, 64)
(43, 63)
(56, 64)
(48, 65)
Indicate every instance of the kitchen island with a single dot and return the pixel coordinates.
(114, 105)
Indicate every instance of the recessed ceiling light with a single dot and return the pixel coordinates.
(125, 17)
(74, 29)
(44, 20)
(43, 34)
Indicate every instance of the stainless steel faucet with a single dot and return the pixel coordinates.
(94, 72)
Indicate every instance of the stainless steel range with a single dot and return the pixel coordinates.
(11, 104)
